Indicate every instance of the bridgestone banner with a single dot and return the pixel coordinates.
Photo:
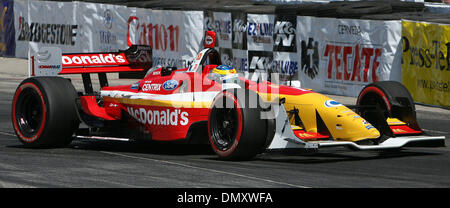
(343, 55)
(51, 24)
(426, 62)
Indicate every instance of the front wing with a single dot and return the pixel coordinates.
(285, 138)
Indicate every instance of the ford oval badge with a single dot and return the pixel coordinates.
(170, 85)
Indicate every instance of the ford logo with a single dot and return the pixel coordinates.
(170, 85)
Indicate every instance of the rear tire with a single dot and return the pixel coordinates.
(235, 128)
(44, 112)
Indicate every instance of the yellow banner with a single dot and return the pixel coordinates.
(426, 62)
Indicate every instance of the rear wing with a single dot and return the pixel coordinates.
(49, 61)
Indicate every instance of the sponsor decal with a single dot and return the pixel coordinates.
(285, 67)
(284, 33)
(345, 62)
(310, 57)
(261, 32)
(209, 20)
(368, 127)
(107, 19)
(398, 130)
(426, 62)
(160, 37)
(226, 56)
(57, 34)
(260, 29)
(240, 63)
(49, 66)
(170, 85)
(239, 37)
(349, 29)
(208, 40)
(332, 103)
(166, 117)
(107, 38)
(260, 60)
(223, 28)
(94, 59)
(135, 86)
(151, 87)
(435, 55)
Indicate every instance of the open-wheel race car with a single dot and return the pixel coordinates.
(206, 102)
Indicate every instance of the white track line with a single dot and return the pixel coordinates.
(436, 131)
(7, 133)
(206, 169)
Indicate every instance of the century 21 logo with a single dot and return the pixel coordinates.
(158, 36)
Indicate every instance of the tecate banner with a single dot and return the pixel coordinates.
(343, 55)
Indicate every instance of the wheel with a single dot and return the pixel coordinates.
(392, 98)
(44, 113)
(235, 128)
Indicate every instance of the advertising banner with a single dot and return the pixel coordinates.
(173, 35)
(260, 28)
(239, 41)
(223, 29)
(426, 62)
(22, 27)
(344, 55)
(104, 27)
(7, 43)
(192, 41)
(260, 32)
(285, 60)
(52, 24)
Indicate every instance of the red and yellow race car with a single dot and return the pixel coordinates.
(206, 102)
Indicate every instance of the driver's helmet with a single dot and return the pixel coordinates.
(224, 74)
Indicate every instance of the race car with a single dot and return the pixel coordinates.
(206, 102)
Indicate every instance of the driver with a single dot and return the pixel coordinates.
(224, 74)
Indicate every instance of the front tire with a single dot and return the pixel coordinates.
(235, 128)
(394, 101)
(44, 112)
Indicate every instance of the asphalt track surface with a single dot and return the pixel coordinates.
(116, 164)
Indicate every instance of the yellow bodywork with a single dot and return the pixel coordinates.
(342, 123)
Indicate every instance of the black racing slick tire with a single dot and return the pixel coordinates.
(392, 98)
(44, 112)
(235, 128)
